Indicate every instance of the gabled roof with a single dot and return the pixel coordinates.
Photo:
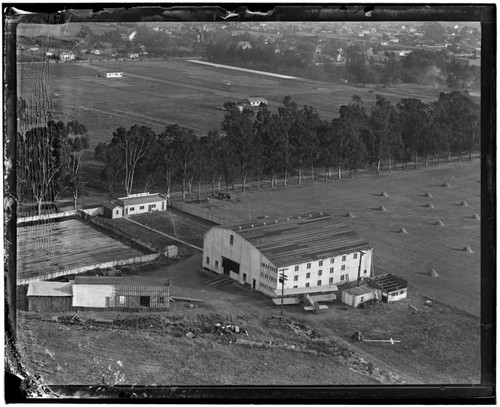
(111, 205)
(50, 289)
(145, 199)
(299, 239)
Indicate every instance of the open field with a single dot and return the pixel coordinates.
(53, 246)
(161, 92)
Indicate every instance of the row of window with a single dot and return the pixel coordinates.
(267, 266)
(332, 260)
(330, 281)
(267, 277)
(266, 287)
(122, 301)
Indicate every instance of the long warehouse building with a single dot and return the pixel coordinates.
(314, 251)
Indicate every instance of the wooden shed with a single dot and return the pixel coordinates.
(49, 296)
(391, 287)
(355, 296)
(121, 293)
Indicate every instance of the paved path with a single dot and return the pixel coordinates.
(164, 234)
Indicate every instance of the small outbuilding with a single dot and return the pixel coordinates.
(392, 288)
(135, 204)
(113, 75)
(121, 293)
(356, 296)
(49, 296)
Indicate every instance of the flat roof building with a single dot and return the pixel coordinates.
(311, 250)
(135, 204)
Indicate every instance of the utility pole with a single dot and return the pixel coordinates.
(282, 279)
(83, 190)
(359, 267)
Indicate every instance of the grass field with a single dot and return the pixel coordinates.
(413, 255)
(54, 246)
(161, 92)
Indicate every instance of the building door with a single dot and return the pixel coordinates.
(253, 283)
(230, 265)
(144, 301)
(244, 277)
(150, 208)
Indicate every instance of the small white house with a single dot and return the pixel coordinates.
(135, 204)
(66, 56)
(113, 74)
(133, 55)
(257, 101)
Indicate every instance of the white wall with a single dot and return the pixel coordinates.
(90, 295)
(217, 244)
(145, 207)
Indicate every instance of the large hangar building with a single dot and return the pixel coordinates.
(314, 251)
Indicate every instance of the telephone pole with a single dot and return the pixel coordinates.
(282, 279)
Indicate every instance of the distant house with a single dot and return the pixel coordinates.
(135, 204)
(257, 101)
(133, 293)
(66, 56)
(244, 45)
(133, 55)
(113, 74)
(48, 296)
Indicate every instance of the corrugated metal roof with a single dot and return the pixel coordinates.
(136, 200)
(50, 289)
(117, 281)
(301, 238)
(361, 290)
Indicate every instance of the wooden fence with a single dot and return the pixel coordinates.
(193, 210)
(83, 269)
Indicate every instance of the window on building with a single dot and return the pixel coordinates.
(366, 271)
(343, 258)
(153, 206)
(161, 300)
(355, 256)
(296, 268)
(208, 260)
(132, 209)
(295, 286)
(342, 277)
(320, 272)
(307, 284)
(308, 275)
(319, 282)
(330, 281)
(308, 265)
(296, 278)
(231, 240)
(216, 263)
(343, 268)
(321, 262)
(361, 299)
(331, 270)
(141, 207)
(121, 300)
(117, 211)
(332, 260)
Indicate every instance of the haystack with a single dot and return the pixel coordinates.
(428, 195)
(463, 203)
(476, 216)
(349, 215)
(467, 249)
(430, 206)
(403, 230)
(433, 273)
(384, 194)
(446, 185)
(439, 223)
(382, 208)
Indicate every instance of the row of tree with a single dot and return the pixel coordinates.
(277, 144)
